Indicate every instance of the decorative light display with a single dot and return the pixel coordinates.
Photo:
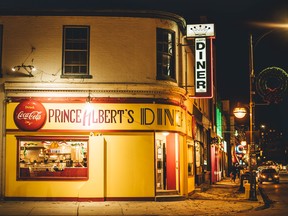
(271, 84)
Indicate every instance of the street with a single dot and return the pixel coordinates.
(277, 193)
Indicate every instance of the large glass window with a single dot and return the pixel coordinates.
(76, 52)
(165, 55)
(52, 158)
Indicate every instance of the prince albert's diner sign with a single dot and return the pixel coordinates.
(31, 115)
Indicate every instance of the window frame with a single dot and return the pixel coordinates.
(161, 73)
(66, 50)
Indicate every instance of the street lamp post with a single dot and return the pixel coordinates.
(240, 112)
(252, 195)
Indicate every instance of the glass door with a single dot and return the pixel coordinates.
(160, 165)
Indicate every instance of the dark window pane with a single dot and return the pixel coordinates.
(76, 50)
(165, 54)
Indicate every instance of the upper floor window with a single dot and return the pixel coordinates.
(76, 52)
(165, 55)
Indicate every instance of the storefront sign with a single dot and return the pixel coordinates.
(200, 30)
(203, 68)
(200, 66)
(104, 116)
(29, 115)
(203, 35)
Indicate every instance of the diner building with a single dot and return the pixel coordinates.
(99, 106)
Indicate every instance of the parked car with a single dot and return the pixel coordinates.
(268, 175)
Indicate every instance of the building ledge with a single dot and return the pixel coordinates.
(36, 89)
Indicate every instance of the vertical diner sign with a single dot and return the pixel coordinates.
(203, 35)
(201, 81)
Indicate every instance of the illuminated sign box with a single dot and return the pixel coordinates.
(200, 66)
(203, 35)
(200, 30)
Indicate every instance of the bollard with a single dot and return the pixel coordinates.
(247, 190)
(245, 178)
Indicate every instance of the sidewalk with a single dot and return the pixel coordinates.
(222, 198)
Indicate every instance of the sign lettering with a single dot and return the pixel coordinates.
(200, 66)
(98, 116)
(29, 115)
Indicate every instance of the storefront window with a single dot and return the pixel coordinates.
(52, 158)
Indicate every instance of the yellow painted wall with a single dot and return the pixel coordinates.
(191, 184)
(130, 165)
(128, 42)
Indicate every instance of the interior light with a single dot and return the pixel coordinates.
(165, 133)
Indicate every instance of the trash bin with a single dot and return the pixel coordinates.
(247, 190)
(245, 178)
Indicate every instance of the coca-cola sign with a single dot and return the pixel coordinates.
(30, 115)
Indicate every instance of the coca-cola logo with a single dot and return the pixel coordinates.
(30, 115)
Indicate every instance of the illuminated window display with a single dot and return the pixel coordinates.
(190, 160)
(52, 158)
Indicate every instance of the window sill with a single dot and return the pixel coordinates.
(74, 76)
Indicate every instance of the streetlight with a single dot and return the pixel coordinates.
(240, 112)
(252, 195)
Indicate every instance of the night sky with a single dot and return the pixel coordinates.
(233, 24)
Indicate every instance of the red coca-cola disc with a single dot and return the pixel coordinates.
(30, 115)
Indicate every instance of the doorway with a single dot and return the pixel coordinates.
(166, 153)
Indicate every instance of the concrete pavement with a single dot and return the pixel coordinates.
(222, 198)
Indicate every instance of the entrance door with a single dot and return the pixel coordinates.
(160, 165)
(166, 172)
